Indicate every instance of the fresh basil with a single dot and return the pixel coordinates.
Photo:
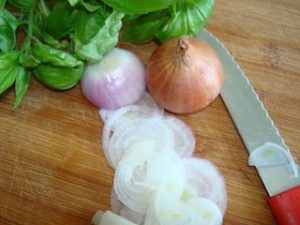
(59, 78)
(27, 60)
(73, 2)
(61, 20)
(139, 7)
(188, 17)
(88, 24)
(181, 18)
(22, 4)
(21, 85)
(8, 67)
(103, 41)
(90, 5)
(8, 26)
(143, 28)
(2, 4)
(56, 57)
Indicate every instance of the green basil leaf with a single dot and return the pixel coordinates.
(8, 67)
(59, 78)
(48, 39)
(22, 4)
(7, 79)
(105, 39)
(88, 24)
(27, 59)
(21, 85)
(38, 24)
(11, 19)
(61, 20)
(43, 8)
(39, 31)
(188, 18)
(8, 59)
(91, 5)
(8, 26)
(138, 6)
(143, 28)
(12, 72)
(73, 2)
(56, 57)
(2, 4)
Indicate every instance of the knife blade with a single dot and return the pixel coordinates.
(257, 130)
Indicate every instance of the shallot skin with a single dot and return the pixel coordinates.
(116, 81)
(184, 75)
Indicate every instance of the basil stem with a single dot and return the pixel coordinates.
(27, 42)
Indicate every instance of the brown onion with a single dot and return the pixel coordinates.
(184, 75)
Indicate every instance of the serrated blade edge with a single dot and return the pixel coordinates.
(251, 118)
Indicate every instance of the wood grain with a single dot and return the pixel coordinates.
(52, 170)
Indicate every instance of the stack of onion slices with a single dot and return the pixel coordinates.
(157, 180)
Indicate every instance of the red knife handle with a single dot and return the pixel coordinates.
(286, 206)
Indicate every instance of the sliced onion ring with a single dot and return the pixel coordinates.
(204, 178)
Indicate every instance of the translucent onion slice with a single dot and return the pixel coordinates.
(207, 211)
(184, 138)
(116, 205)
(141, 173)
(130, 171)
(131, 215)
(144, 108)
(146, 102)
(271, 154)
(166, 210)
(204, 178)
(189, 192)
(150, 215)
(115, 120)
(122, 210)
(168, 132)
(165, 172)
(138, 130)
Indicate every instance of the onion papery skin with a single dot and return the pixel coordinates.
(184, 75)
(117, 80)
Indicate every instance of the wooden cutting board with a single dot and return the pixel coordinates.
(52, 169)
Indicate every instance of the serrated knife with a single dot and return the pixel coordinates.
(256, 128)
